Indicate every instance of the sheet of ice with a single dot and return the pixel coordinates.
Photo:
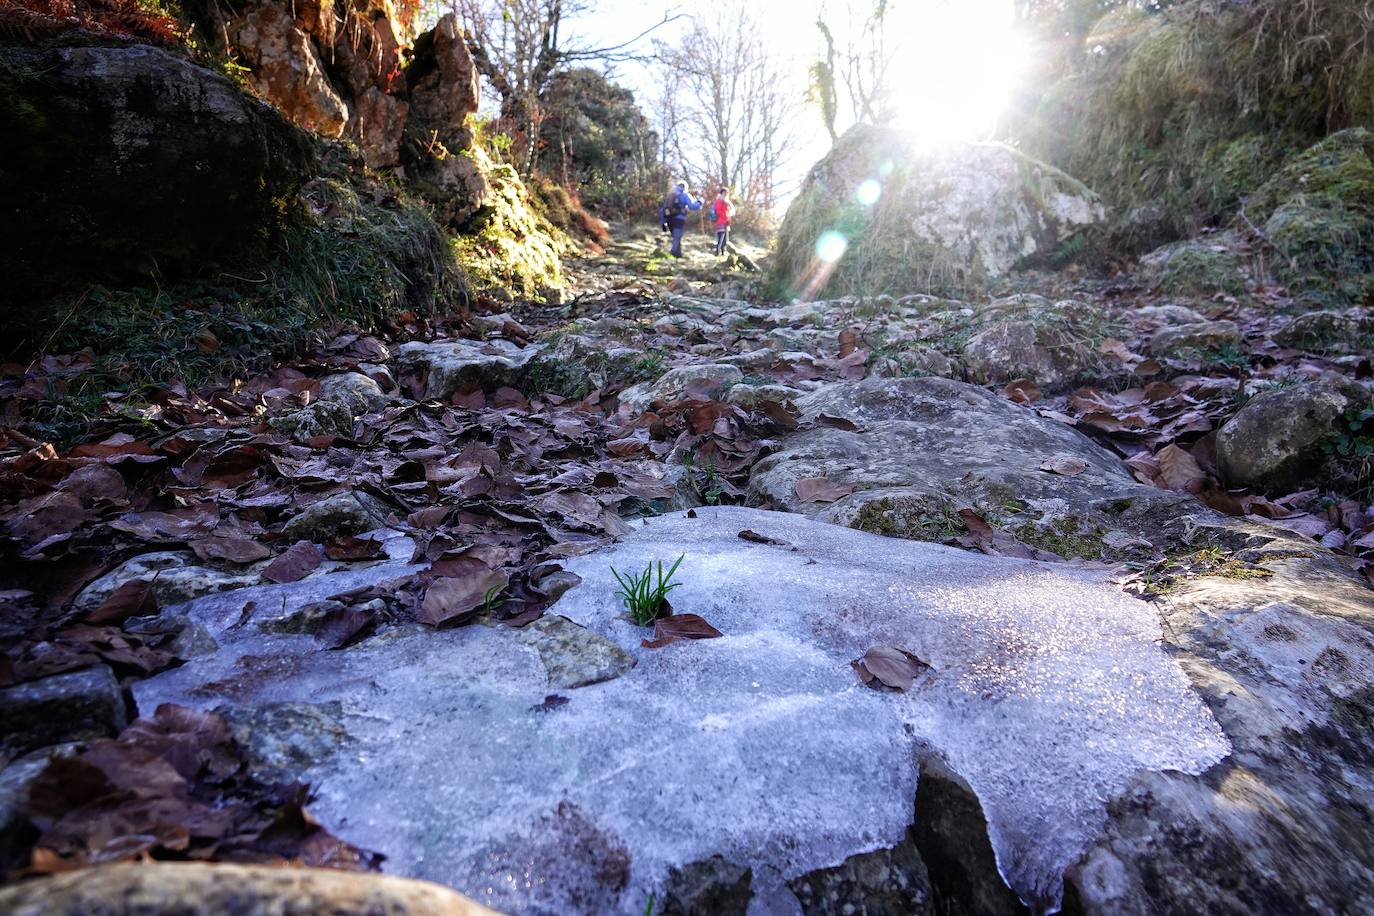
(1048, 692)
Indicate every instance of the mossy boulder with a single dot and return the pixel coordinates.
(1275, 440)
(1324, 249)
(880, 213)
(1198, 267)
(117, 162)
(1014, 349)
(1340, 167)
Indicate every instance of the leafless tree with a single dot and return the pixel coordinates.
(519, 45)
(852, 82)
(728, 112)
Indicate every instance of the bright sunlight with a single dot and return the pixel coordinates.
(959, 62)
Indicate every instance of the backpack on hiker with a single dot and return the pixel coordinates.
(673, 207)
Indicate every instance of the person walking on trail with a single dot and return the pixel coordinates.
(721, 210)
(672, 215)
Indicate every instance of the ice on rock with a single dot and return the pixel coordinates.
(1048, 691)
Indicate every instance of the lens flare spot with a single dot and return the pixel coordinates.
(868, 192)
(831, 246)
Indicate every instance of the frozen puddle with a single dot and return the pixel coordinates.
(1049, 690)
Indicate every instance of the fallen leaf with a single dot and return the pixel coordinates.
(231, 549)
(849, 342)
(679, 627)
(976, 524)
(890, 667)
(352, 548)
(1178, 470)
(821, 490)
(456, 600)
(301, 559)
(1065, 465)
(757, 538)
(1022, 391)
(132, 599)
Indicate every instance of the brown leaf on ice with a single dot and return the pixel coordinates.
(679, 627)
(885, 666)
(295, 564)
(456, 600)
(750, 535)
(821, 490)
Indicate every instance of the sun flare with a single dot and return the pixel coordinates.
(958, 65)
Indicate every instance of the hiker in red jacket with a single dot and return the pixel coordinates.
(721, 211)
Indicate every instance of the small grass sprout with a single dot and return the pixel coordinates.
(492, 600)
(646, 596)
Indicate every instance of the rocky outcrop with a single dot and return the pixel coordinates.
(879, 214)
(352, 71)
(198, 889)
(118, 161)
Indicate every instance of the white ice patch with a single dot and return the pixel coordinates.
(1049, 691)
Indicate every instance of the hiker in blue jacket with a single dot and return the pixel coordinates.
(672, 214)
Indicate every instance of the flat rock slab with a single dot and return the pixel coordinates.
(1048, 691)
(448, 365)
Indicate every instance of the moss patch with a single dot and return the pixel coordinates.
(512, 246)
(1063, 536)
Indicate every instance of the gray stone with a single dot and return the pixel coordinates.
(915, 361)
(1011, 350)
(322, 418)
(284, 740)
(754, 396)
(1205, 335)
(1284, 824)
(176, 576)
(711, 887)
(448, 365)
(573, 655)
(189, 639)
(1275, 439)
(65, 707)
(222, 889)
(707, 380)
(886, 882)
(1323, 331)
(926, 447)
(348, 513)
(359, 393)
